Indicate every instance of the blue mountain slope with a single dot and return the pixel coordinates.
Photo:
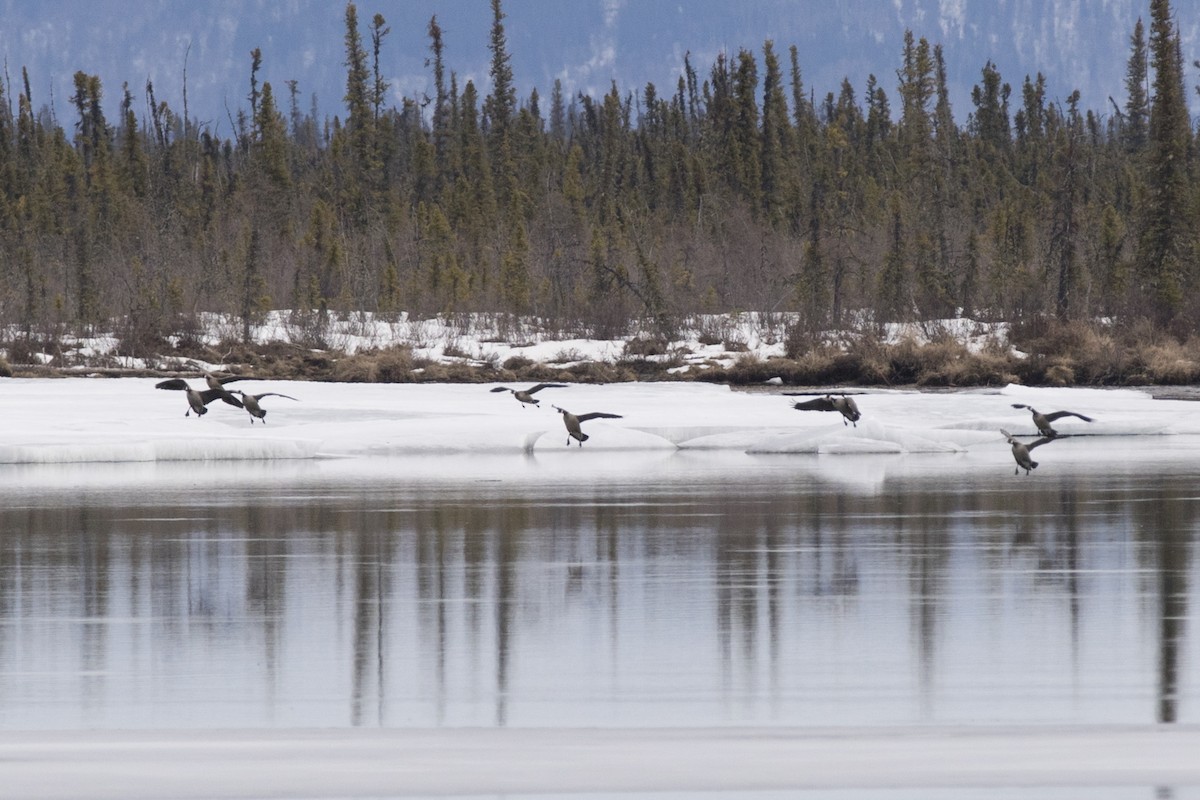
(586, 44)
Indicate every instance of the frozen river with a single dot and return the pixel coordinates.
(620, 622)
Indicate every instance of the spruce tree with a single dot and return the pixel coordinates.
(775, 139)
(360, 120)
(272, 143)
(379, 86)
(1064, 232)
(1164, 268)
(917, 89)
(441, 115)
(499, 111)
(989, 123)
(745, 140)
(893, 294)
(1137, 104)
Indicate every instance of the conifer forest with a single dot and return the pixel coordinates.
(737, 189)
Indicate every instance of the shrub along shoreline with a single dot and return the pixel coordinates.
(1045, 354)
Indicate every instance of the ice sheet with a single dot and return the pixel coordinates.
(128, 420)
(507, 762)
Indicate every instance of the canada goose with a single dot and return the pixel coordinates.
(572, 422)
(842, 404)
(1020, 451)
(197, 400)
(250, 401)
(217, 385)
(1042, 421)
(526, 395)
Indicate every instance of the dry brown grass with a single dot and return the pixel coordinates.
(274, 360)
(1172, 363)
(596, 372)
(1082, 354)
(950, 363)
(871, 362)
(434, 372)
(809, 370)
(389, 365)
(517, 363)
(640, 347)
(1071, 353)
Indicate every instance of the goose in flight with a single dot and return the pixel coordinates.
(217, 385)
(250, 401)
(1042, 421)
(572, 421)
(197, 400)
(1020, 451)
(526, 395)
(842, 404)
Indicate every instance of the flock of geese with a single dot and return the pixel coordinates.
(846, 406)
(572, 421)
(198, 400)
(1020, 450)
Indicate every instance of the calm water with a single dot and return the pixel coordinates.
(680, 591)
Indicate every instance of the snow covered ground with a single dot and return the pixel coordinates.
(702, 340)
(465, 432)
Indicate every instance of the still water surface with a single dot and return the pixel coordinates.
(692, 591)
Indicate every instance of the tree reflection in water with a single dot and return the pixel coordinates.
(629, 604)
